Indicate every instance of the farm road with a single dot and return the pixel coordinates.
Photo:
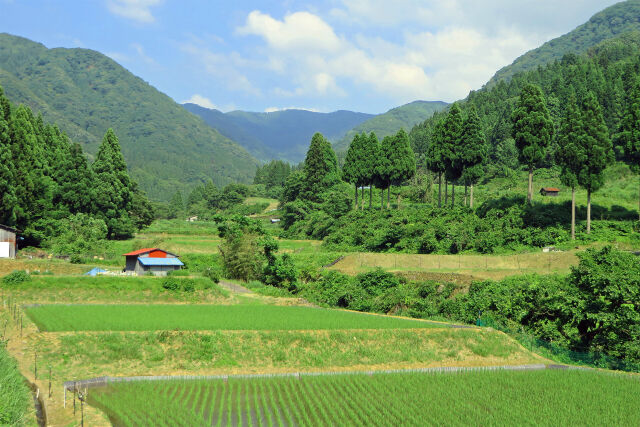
(104, 381)
(234, 288)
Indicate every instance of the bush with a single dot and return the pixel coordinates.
(174, 284)
(171, 284)
(15, 278)
(212, 273)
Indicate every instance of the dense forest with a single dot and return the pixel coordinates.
(54, 195)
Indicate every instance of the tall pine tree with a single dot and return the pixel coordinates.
(570, 154)
(452, 139)
(473, 150)
(597, 148)
(403, 160)
(113, 188)
(371, 156)
(435, 155)
(532, 130)
(8, 200)
(384, 168)
(353, 170)
(320, 168)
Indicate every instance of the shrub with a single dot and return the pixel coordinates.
(171, 284)
(212, 273)
(17, 277)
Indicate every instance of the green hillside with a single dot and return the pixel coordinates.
(85, 93)
(611, 22)
(405, 116)
(283, 135)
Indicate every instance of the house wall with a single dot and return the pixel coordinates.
(9, 237)
(131, 263)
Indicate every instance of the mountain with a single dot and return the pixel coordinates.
(280, 134)
(615, 20)
(405, 116)
(86, 92)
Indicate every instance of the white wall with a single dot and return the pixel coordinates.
(4, 249)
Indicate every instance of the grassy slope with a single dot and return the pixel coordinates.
(405, 116)
(85, 92)
(15, 397)
(611, 22)
(475, 398)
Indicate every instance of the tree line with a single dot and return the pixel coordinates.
(46, 180)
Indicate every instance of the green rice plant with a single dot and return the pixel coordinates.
(57, 318)
(499, 397)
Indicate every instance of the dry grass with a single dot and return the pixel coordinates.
(460, 268)
(54, 266)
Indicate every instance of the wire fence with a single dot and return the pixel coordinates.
(561, 354)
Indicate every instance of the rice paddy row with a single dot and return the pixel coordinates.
(58, 318)
(473, 398)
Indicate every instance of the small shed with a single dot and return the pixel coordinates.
(154, 260)
(8, 239)
(550, 191)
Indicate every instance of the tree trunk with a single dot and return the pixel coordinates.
(362, 194)
(471, 197)
(356, 204)
(639, 199)
(573, 213)
(588, 211)
(382, 198)
(389, 197)
(398, 200)
(446, 192)
(453, 195)
(530, 191)
(440, 189)
(465, 194)
(370, 195)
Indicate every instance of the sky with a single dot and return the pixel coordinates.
(359, 55)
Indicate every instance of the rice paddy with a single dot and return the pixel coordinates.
(473, 398)
(58, 318)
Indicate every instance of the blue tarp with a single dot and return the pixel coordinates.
(159, 261)
(94, 272)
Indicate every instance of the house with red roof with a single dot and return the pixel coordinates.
(550, 191)
(151, 260)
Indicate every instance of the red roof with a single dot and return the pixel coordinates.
(142, 251)
(551, 189)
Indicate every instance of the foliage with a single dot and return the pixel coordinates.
(473, 150)
(79, 234)
(179, 284)
(241, 256)
(320, 168)
(16, 278)
(278, 271)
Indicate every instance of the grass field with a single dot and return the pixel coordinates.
(56, 318)
(474, 398)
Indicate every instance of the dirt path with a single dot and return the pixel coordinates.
(234, 288)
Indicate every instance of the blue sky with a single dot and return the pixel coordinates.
(361, 55)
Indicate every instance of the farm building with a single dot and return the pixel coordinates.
(154, 260)
(8, 238)
(549, 191)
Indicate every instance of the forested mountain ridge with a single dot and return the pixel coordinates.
(387, 124)
(609, 23)
(86, 92)
(282, 134)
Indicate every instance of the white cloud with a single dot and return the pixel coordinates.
(297, 31)
(141, 53)
(441, 64)
(136, 10)
(201, 101)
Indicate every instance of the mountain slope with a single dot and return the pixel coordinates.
(85, 93)
(281, 134)
(405, 116)
(609, 23)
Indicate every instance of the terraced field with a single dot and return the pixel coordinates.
(414, 399)
(57, 318)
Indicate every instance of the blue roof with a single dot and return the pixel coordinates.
(159, 261)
